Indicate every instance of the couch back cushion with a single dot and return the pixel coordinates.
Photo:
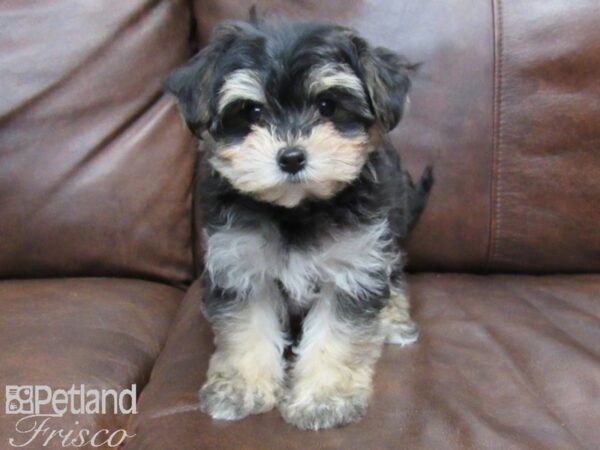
(95, 165)
(546, 171)
(505, 106)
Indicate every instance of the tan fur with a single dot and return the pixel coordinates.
(333, 161)
(248, 363)
(242, 84)
(332, 377)
(331, 75)
(396, 322)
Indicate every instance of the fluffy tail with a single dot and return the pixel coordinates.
(417, 195)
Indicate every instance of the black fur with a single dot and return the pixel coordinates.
(282, 52)
(378, 192)
(324, 91)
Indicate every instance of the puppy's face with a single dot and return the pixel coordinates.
(292, 109)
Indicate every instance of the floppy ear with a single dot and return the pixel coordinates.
(191, 84)
(386, 77)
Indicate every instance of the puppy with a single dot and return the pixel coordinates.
(305, 208)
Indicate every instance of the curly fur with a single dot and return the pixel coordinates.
(323, 242)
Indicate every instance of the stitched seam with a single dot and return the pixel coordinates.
(494, 224)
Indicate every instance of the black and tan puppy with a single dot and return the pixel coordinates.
(306, 205)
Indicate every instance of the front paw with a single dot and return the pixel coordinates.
(311, 412)
(232, 398)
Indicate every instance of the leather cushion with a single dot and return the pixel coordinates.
(102, 333)
(506, 362)
(95, 164)
(547, 156)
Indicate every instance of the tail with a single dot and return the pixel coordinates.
(417, 195)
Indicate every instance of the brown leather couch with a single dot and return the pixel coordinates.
(98, 248)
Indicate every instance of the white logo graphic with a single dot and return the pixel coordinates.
(39, 404)
(19, 400)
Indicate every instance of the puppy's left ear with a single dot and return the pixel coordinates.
(386, 77)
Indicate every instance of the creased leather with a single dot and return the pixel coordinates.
(547, 171)
(102, 333)
(503, 361)
(95, 164)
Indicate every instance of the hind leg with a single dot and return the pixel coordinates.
(398, 327)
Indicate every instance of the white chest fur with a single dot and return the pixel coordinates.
(245, 259)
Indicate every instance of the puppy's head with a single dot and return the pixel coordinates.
(292, 109)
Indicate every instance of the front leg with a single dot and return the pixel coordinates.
(246, 372)
(331, 378)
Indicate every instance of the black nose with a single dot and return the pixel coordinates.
(291, 159)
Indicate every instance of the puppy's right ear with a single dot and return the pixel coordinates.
(386, 76)
(192, 83)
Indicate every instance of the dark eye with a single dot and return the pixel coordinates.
(326, 107)
(253, 112)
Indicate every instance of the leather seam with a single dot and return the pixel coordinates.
(495, 200)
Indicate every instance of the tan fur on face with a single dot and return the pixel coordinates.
(242, 84)
(333, 161)
(332, 75)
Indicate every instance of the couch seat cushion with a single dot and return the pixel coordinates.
(503, 362)
(102, 333)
